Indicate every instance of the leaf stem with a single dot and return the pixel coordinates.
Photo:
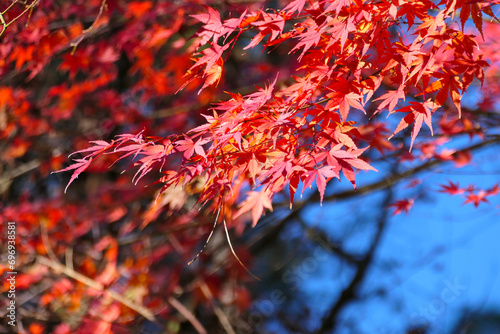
(87, 31)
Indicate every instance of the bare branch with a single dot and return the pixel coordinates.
(87, 31)
(58, 267)
(187, 314)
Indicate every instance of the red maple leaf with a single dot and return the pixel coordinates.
(403, 205)
(189, 147)
(322, 175)
(476, 199)
(451, 188)
(270, 23)
(212, 27)
(493, 191)
(418, 113)
(307, 39)
(390, 99)
(256, 201)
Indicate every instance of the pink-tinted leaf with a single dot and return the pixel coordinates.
(256, 201)
(79, 166)
(99, 147)
(295, 6)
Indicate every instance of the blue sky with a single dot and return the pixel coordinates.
(441, 242)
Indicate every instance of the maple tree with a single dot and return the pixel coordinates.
(222, 111)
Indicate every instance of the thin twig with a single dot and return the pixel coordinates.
(27, 296)
(20, 170)
(69, 257)
(46, 241)
(223, 319)
(209, 237)
(187, 314)
(232, 249)
(87, 31)
(5, 24)
(10, 6)
(35, 2)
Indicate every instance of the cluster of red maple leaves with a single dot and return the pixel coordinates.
(114, 72)
(304, 130)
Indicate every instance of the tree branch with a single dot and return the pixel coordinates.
(58, 267)
(18, 171)
(351, 291)
(388, 181)
(145, 312)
